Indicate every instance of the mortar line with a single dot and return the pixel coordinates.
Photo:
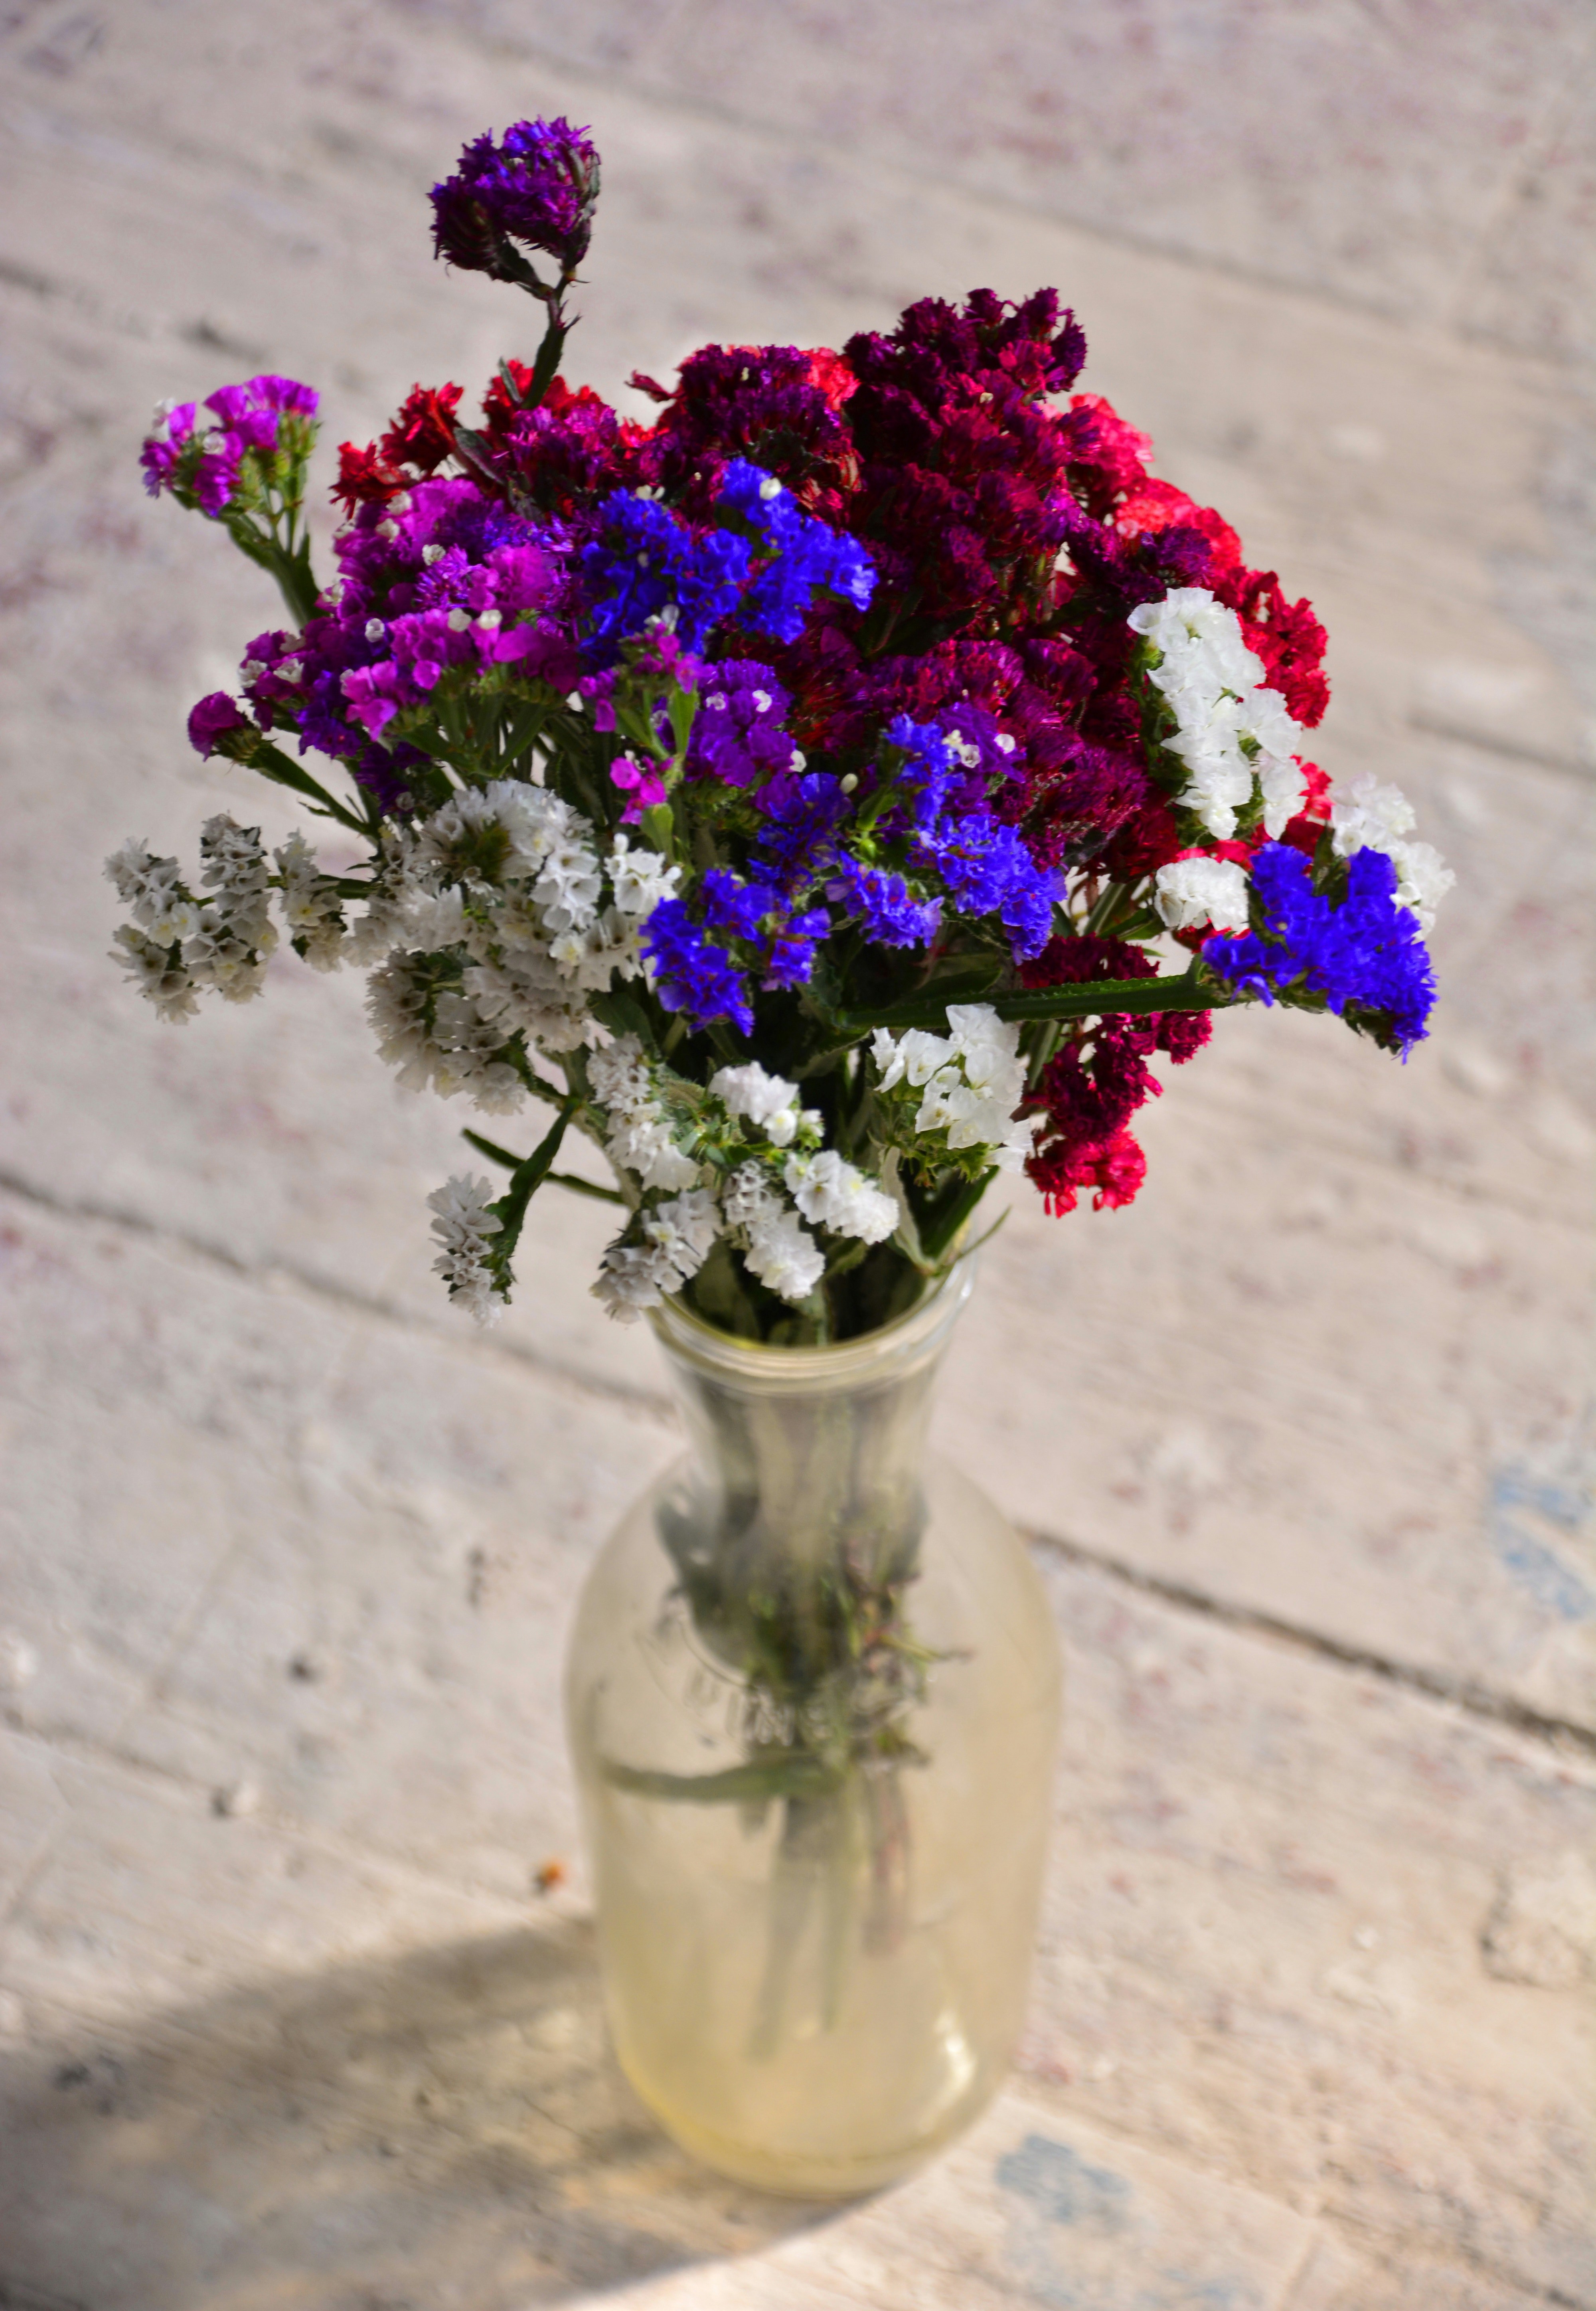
(334, 1294)
(1461, 1693)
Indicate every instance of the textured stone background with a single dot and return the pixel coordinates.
(288, 1555)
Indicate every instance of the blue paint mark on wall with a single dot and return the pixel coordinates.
(1063, 2187)
(1520, 1499)
(1079, 2241)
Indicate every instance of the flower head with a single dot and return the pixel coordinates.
(538, 189)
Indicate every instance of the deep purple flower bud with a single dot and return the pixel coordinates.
(538, 187)
(212, 719)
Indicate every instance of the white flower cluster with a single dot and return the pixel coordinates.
(1230, 730)
(222, 941)
(1190, 891)
(463, 1226)
(971, 1080)
(1377, 817)
(311, 905)
(777, 1247)
(676, 1238)
(769, 1102)
(639, 1135)
(507, 879)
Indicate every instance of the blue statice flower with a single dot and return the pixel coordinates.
(737, 733)
(646, 560)
(1367, 951)
(691, 972)
(801, 815)
(990, 872)
(790, 959)
(884, 903)
(984, 863)
(730, 904)
(809, 556)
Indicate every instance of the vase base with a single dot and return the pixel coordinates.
(806, 2174)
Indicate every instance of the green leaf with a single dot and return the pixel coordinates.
(524, 1183)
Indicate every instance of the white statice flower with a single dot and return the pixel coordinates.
(629, 1280)
(510, 832)
(1368, 815)
(748, 1195)
(153, 889)
(778, 1248)
(463, 1226)
(452, 1052)
(913, 1057)
(1282, 783)
(971, 1081)
(527, 993)
(684, 1230)
(228, 948)
(784, 1255)
(148, 963)
(393, 893)
(1423, 880)
(640, 1137)
(1188, 892)
(1230, 728)
(836, 1195)
(640, 877)
(592, 958)
(678, 1237)
(769, 1102)
(311, 906)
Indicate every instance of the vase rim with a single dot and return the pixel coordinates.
(922, 1327)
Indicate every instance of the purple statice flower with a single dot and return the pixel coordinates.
(886, 906)
(691, 973)
(985, 756)
(737, 734)
(646, 560)
(212, 719)
(538, 187)
(1366, 952)
(807, 556)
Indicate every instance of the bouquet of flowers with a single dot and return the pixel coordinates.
(828, 796)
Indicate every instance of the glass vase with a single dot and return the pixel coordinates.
(813, 1701)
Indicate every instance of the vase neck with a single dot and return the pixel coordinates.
(813, 1454)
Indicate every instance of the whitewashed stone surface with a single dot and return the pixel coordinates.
(287, 1554)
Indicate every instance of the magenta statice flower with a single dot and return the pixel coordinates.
(538, 187)
(212, 719)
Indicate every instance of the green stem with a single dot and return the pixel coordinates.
(1193, 990)
(579, 1187)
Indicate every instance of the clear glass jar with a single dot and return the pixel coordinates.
(813, 1700)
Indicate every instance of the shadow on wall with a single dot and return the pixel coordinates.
(445, 2129)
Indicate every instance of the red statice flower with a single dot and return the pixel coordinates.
(365, 477)
(422, 434)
